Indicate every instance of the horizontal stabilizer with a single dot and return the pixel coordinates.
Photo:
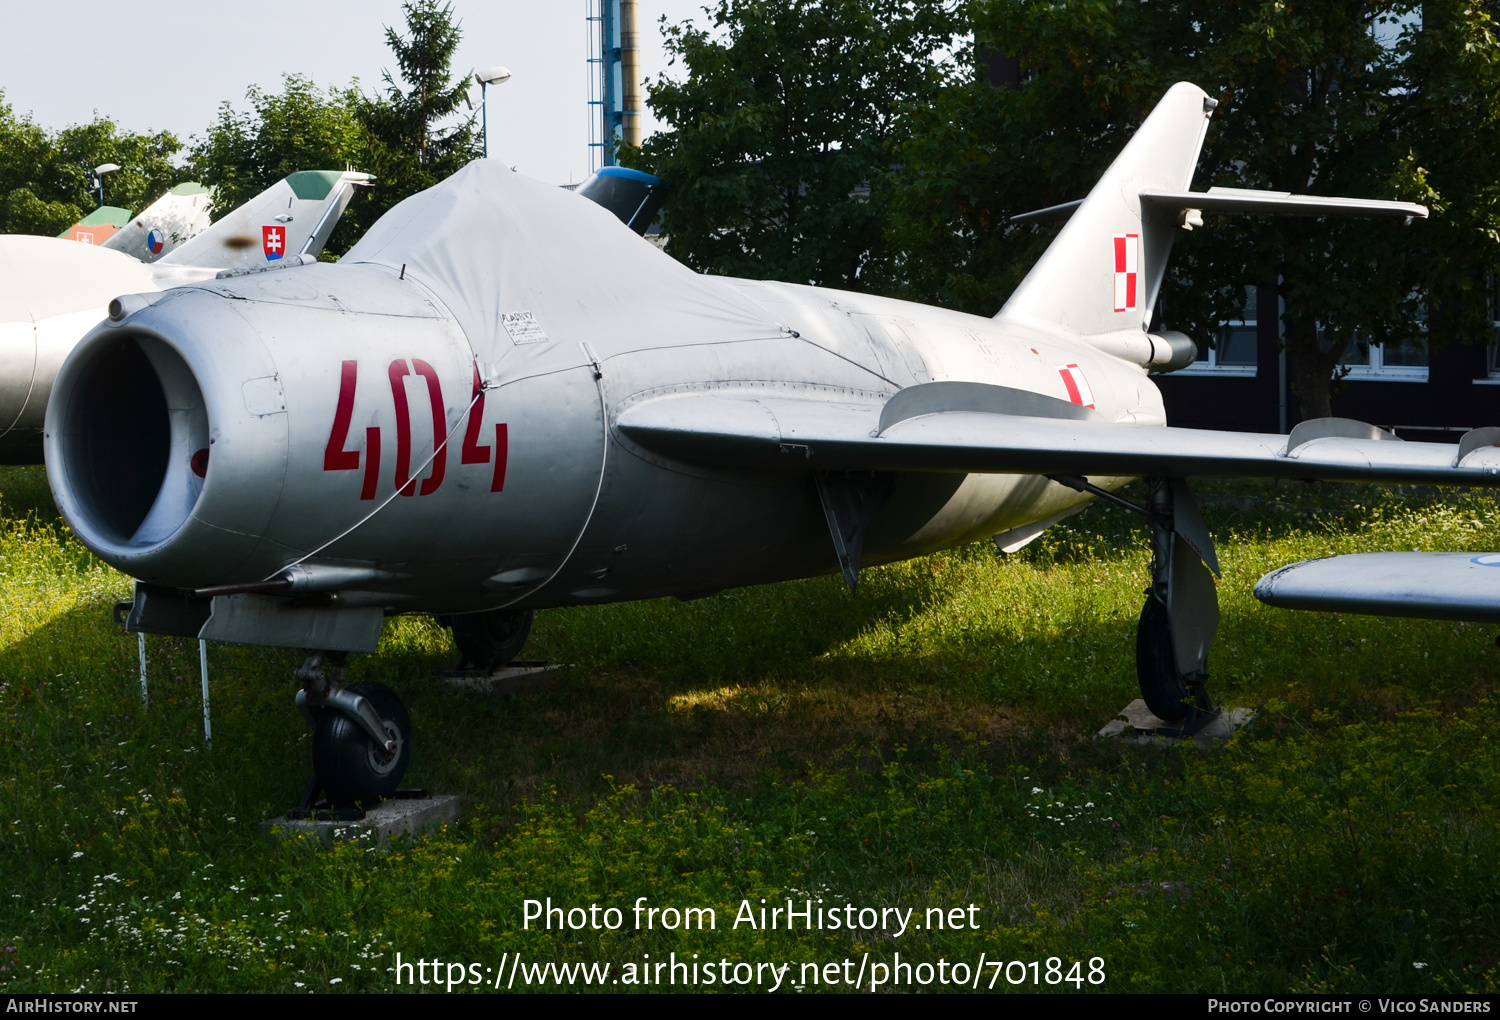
(1249, 203)
(1281, 203)
(741, 431)
(1052, 214)
(1436, 586)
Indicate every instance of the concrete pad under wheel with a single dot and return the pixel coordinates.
(1137, 725)
(517, 676)
(391, 818)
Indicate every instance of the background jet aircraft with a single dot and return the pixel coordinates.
(502, 399)
(54, 291)
(172, 220)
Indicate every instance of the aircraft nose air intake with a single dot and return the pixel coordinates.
(150, 450)
(135, 424)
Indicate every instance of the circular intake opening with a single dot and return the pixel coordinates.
(135, 411)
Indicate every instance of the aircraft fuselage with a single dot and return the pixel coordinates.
(228, 430)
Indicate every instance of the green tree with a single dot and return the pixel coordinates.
(301, 128)
(1327, 97)
(47, 179)
(783, 133)
(1451, 75)
(397, 135)
(405, 145)
(1312, 102)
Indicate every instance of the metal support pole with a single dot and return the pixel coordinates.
(141, 643)
(1281, 390)
(484, 117)
(1281, 380)
(208, 730)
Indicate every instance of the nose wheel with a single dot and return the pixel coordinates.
(361, 735)
(353, 766)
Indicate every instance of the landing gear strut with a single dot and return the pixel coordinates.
(1181, 613)
(361, 734)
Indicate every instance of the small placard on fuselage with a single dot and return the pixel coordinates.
(523, 327)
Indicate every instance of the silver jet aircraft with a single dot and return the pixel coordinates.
(166, 224)
(53, 291)
(503, 400)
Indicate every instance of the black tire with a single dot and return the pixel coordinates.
(1156, 664)
(352, 767)
(490, 640)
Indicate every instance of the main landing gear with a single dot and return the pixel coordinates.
(1181, 613)
(361, 735)
(486, 641)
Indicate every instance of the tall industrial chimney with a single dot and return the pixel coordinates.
(614, 79)
(630, 71)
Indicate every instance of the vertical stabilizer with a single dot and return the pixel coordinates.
(294, 216)
(1103, 271)
(165, 225)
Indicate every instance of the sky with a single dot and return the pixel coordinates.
(168, 64)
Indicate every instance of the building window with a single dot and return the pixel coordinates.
(1492, 352)
(1395, 362)
(1233, 351)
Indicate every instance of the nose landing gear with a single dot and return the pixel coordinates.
(361, 735)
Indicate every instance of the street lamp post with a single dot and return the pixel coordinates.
(99, 172)
(496, 75)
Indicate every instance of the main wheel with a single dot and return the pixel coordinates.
(490, 640)
(353, 768)
(1156, 664)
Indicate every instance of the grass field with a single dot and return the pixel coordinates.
(926, 743)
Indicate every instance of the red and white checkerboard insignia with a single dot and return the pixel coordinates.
(273, 242)
(1076, 385)
(1127, 272)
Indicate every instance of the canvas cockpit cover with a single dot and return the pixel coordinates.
(492, 244)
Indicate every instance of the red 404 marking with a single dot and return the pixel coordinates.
(337, 458)
(472, 452)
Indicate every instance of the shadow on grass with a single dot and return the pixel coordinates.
(929, 655)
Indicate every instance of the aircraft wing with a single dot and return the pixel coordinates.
(1439, 586)
(976, 428)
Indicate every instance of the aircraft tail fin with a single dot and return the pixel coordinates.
(294, 216)
(164, 225)
(1102, 272)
